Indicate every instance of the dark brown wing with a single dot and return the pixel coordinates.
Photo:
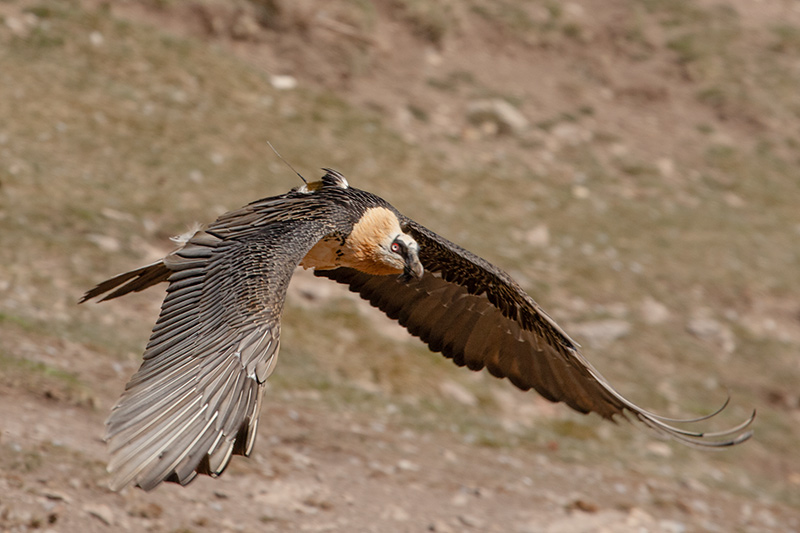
(475, 314)
(195, 400)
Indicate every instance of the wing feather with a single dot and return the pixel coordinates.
(477, 315)
(195, 400)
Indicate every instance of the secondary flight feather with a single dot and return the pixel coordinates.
(195, 400)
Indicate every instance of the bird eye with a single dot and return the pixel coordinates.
(396, 247)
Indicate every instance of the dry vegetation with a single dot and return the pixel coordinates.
(653, 193)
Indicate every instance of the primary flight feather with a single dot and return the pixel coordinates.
(195, 400)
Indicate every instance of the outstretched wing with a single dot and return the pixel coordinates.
(195, 400)
(475, 314)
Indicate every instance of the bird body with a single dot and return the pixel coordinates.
(195, 400)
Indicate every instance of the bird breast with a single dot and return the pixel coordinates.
(325, 255)
(363, 249)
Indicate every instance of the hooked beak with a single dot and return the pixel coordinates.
(413, 268)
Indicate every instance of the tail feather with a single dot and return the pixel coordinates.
(133, 281)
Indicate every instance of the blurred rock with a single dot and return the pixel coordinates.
(439, 527)
(665, 166)
(288, 455)
(497, 112)
(283, 82)
(146, 510)
(571, 134)
(378, 468)
(120, 216)
(672, 526)
(767, 519)
(16, 26)
(457, 392)
(581, 192)
(459, 499)
(538, 236)
(396, 513)
(733, 200)
(96, 38)
(782, 399)
(101, 512)
(600, 332)
(659, 448)
(584, 523)
(583, 505)
(56, 496)
(471, 521)
(408, 466)
(104, 242)
(713, 330)
(653, 311)
(22, 25)
(245, 27)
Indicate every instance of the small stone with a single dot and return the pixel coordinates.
(408, 466)
(665, 166)
(451, 457)
(284, 82)
(379, 468)
(56, 496)
(471, 521)
(713, 330)
(767, 519)
(538, 236)
(96, 38)
(660, 449)
(439, 527)
(672, 526)
(584, 505)
(245, 28)
(571, 134)
(120, 216)
(104, 242)
(458, 393)
(459, 500)
(195, 176)
(17, 26)
(640, 519)
(581, 192)
(101, 512)
(505, 117)
(601, 332)
(397, 514)
(146, 510)
(654, 312)
(734, 200)
(433, 57)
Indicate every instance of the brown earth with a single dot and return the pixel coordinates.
(644, 187)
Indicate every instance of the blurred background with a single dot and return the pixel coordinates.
(633, 166)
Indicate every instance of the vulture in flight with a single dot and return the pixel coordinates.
(195, 400)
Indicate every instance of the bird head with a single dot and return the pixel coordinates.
(377, 245)
(403, 253)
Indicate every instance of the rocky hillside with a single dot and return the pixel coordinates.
(634, 168)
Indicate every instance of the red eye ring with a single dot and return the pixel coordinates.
(395, 248)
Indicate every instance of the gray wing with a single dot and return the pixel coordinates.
(475, 314)
(195, 400)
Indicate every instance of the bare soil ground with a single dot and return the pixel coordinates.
(643, 186)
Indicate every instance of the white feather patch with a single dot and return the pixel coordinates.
(183, 238)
